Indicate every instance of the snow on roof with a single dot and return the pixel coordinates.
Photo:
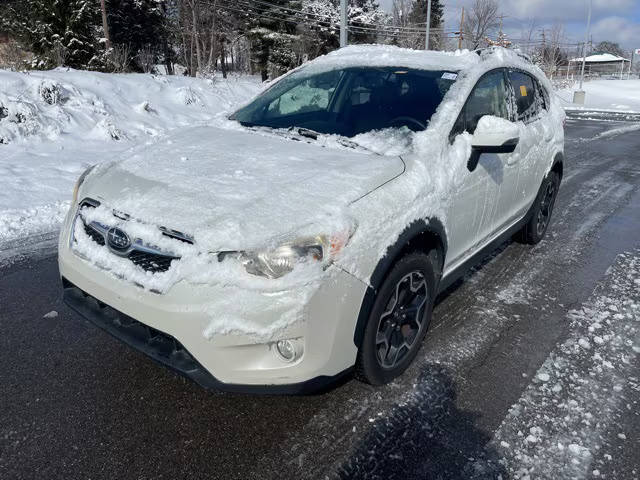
(391, 56)
(601, 57)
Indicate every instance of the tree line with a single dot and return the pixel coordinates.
(198, 37)
(265, 37)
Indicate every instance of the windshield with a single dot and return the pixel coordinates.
(351, 101)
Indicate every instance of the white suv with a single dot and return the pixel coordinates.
(307, 236)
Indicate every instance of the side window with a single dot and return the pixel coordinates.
(525, 93)
(542, 97)
(489, 97)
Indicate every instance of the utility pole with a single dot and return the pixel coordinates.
(343, 23)
(501, 17)
(105, 25)
(584, 56)
(579, 95)
(461, 27)
(426, 43)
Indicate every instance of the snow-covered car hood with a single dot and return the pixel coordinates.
(235, 189)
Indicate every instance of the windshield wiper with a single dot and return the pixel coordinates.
(294, 133)
(306, 132)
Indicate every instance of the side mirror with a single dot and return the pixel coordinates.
(492, 135)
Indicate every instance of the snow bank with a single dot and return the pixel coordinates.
(614, 95)
(55, 124)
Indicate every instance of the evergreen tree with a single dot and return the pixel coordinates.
(365, 17)
(273, 37)
(319, 27)
(418, 16)
(58, 32)
(138, 24)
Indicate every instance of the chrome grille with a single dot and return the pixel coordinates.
(94, 234)
(147, 257)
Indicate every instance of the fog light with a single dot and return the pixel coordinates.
(287, 350)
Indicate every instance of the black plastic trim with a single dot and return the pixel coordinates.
(167, 351)
(460, 271)
(431, 226)
(477, 151)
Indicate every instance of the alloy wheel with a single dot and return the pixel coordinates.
(401, 323)
(546, 206)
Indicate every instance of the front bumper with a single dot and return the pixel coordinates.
(167, 351)
(152, 323)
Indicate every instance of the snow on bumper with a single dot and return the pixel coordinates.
(324, 321)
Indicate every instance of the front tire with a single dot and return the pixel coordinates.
(535, 229)
(399, 319)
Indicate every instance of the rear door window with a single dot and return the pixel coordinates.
(541, 97)
(524, 89)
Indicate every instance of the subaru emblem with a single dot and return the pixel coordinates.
(118, 240)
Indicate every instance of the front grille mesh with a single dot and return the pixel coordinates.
(151, 262)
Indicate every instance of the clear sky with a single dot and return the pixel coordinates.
(614, 20)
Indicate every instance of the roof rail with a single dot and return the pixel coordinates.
(485, 52)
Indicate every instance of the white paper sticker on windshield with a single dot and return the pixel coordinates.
(449, 76)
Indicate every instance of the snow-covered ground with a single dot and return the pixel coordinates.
(55, 124)
(615, 95)
(560, 425)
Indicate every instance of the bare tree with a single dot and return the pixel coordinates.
(552, 53)
(147, 59)
(527, 36)
(120, 56)
(401, 18)
(13, 57)
(481, 19)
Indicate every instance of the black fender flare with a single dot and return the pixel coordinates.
(430, 229)
(558, 164)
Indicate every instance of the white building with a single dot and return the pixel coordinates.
(601, 64)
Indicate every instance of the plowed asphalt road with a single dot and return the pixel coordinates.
(75, 403)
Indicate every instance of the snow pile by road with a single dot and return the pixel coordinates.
(614, 95)
(55, 124)
(559, 427)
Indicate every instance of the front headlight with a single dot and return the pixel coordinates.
(79, 183)
(278, 262)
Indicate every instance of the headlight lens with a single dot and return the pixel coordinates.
(76, 188)
(282, 260)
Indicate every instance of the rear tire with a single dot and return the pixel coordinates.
(536, 228)
(399, 319)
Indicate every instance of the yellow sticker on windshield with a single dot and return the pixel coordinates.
(523, 90)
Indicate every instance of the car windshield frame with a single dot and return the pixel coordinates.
(349, 101)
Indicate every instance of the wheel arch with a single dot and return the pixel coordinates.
(423, 235)
(558, 164)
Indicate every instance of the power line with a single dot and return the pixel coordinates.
(296, 18)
